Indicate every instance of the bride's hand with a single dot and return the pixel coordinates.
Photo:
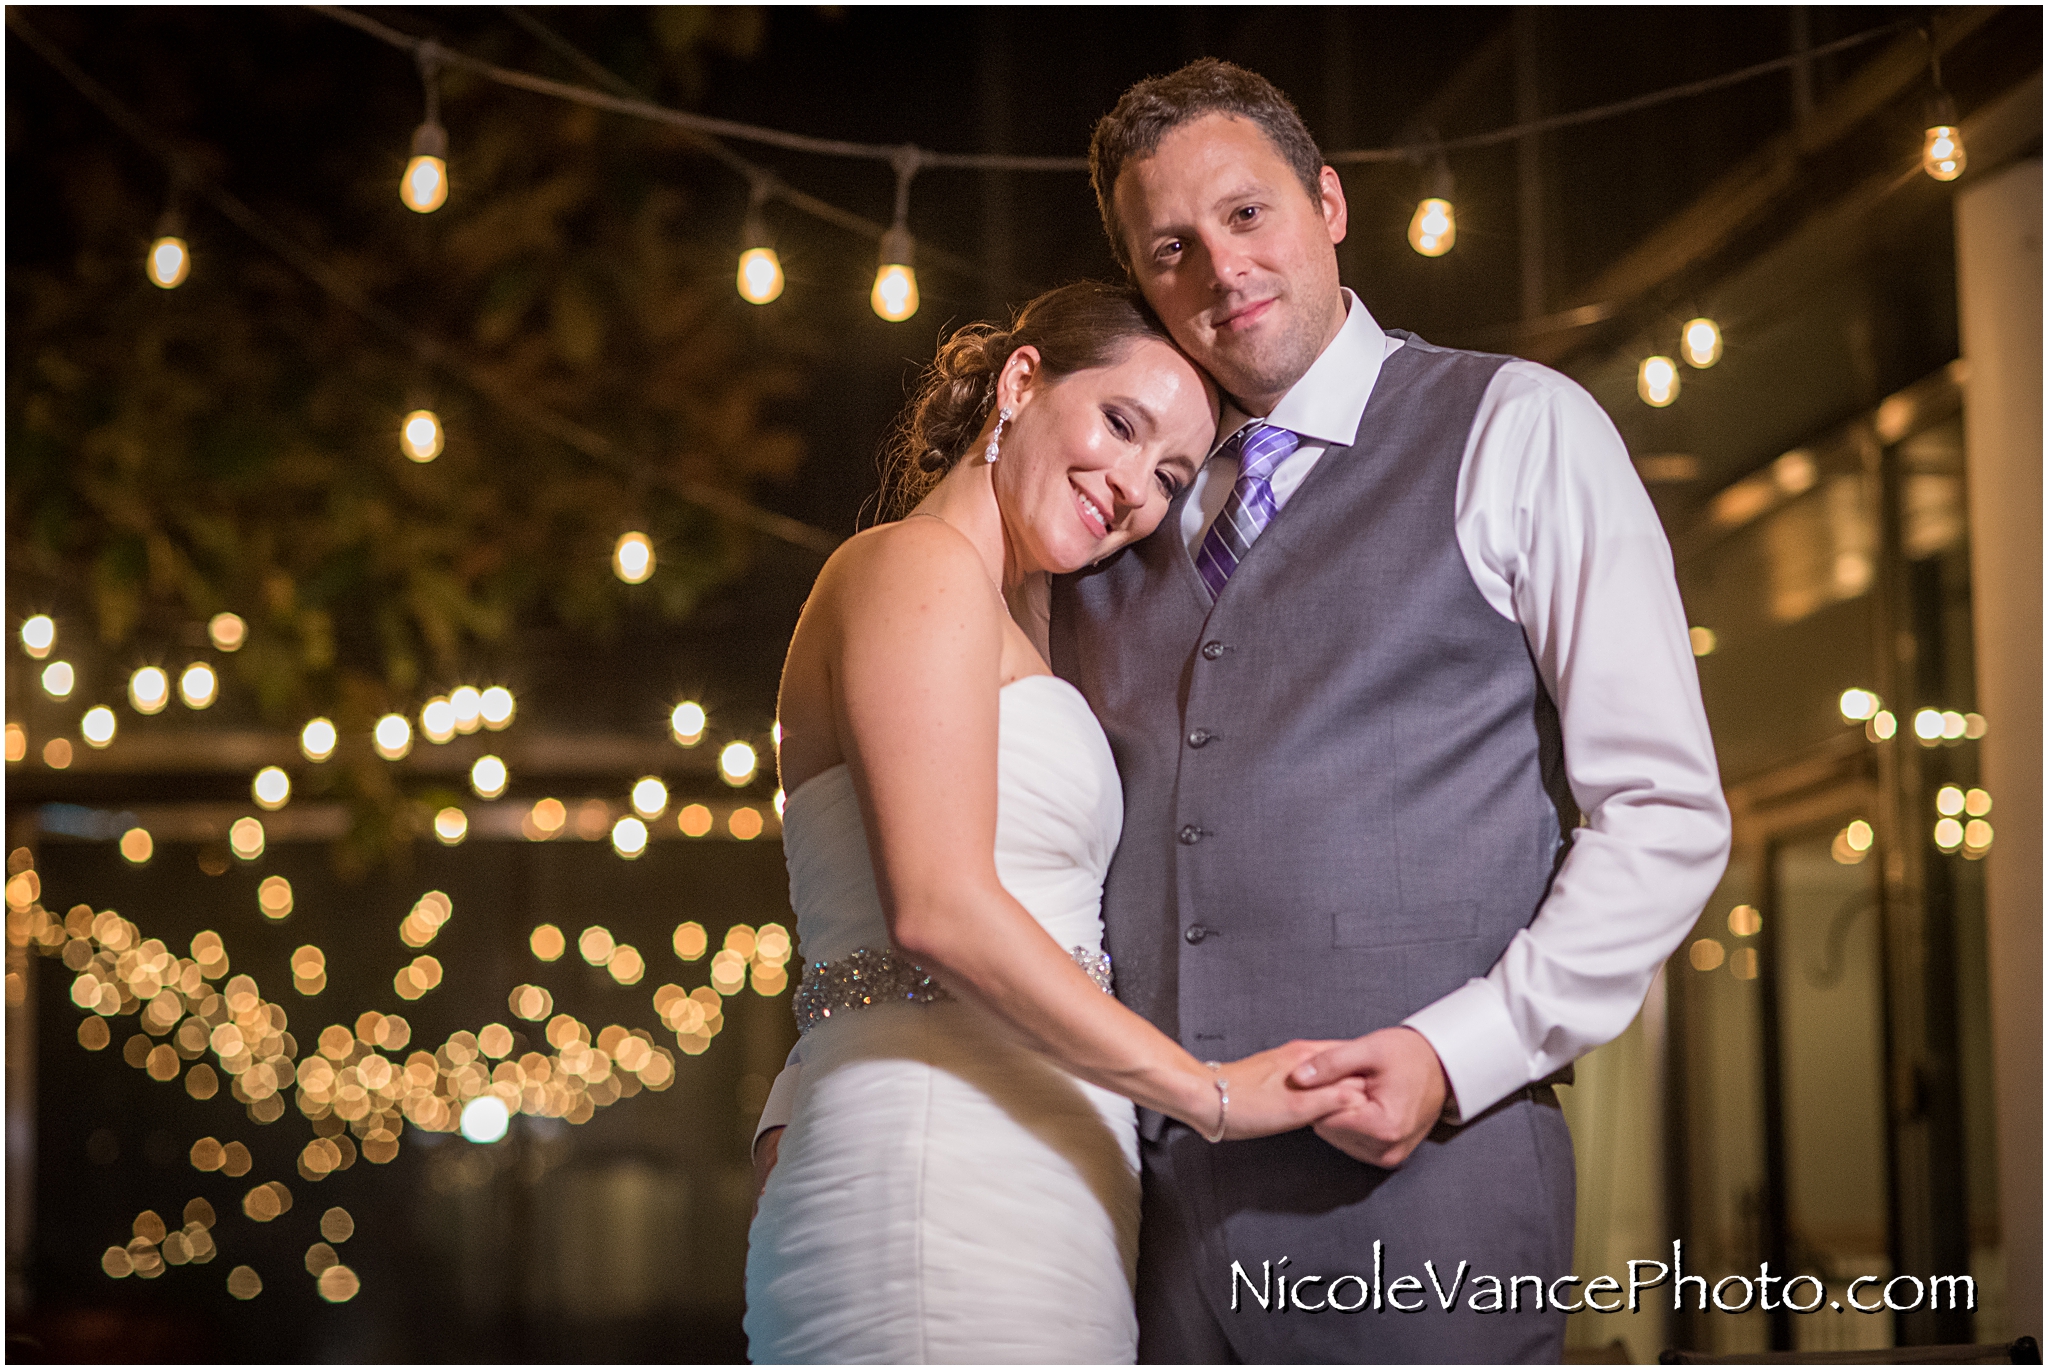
(1263, 1103)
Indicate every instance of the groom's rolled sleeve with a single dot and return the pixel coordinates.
(1561, 537)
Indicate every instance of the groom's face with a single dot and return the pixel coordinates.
(1239, 260)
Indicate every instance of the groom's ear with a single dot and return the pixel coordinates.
(1336, 214)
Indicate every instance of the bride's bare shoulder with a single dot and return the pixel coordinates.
(913, 556)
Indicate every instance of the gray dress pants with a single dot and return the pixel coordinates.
(1496, 1193)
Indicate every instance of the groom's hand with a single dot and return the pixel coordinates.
(1403, 1095)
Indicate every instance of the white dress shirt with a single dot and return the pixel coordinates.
(1561, 539)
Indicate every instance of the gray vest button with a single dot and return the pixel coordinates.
(1190, 835)
(1194, 935)
(1212, 650)
(1199, 736)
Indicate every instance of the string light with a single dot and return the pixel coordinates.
(198, 686)
(1700, 343)
(760, 273)
(451, 825)
(58, 679)
(895, 294)
(38, 635)
(495, 707)
(97, 727)
(420, 435)
(1433, 230)
(149, 689)
(170, 258)
(437, 720)
(424, 187)
(488, 777)
(468, 706)
(633, 558)
(1941, 153)
(317, 739)
(272, 787)
(392, 736)
(736, 764)
(1657, 381)
(686, 723)
(1858, 705)
(650, 797)
(629, 838)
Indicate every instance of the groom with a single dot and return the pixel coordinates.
(1413, 757)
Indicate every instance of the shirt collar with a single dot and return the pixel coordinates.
(1328, 401)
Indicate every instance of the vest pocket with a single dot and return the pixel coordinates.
(1369, 927)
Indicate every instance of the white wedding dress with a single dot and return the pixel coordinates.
(942, 1193)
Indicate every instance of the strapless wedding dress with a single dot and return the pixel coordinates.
(943, 1193)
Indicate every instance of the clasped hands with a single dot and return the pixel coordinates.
(1374, 1097)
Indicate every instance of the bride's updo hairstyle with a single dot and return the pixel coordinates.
(1075, 327)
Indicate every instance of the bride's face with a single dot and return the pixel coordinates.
(1090, 460)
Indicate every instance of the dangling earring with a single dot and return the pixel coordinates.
(995, 440)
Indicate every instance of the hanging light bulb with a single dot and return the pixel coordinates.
(895, 294)
(149, 689)
(1942, 155)
(1657, 381)
(633, 558)
(38, 635)
(420, 435)
(1700, 343)
(1434, 229)
(760, 274)
(424, 187)
(170, 259)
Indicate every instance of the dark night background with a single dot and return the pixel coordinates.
(228, 445)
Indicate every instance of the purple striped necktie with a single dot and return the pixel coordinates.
(1261, 447)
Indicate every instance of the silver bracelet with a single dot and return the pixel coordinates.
(1222, 1102)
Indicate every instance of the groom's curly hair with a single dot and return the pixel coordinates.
(1157, 105)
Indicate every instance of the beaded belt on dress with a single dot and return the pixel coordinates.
(865, 977)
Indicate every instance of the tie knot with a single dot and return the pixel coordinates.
(1264, 447)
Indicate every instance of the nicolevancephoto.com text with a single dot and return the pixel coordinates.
(1276, 1290)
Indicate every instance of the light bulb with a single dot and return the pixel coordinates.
(494, 706)
(485, 1119)
(451, 825)
(488, 777)
(1434, 229)
(1858, 706)
(420, 435)
(97, 727)
(895, 294)
(227, 632)
(633, 558)
(272, 787)
(1657, 381)
(687, 723)
(169, 262)
(1942, 155)
(392, 736)
(650, 797)
(58, 679)
(437, 719)
(468, 706)
(149, 689)
(198, 685)
(38, 635)
(424, 187)
(629, 837)
(736, 763)
(760, 275)
(1700, 343)
(317, 739)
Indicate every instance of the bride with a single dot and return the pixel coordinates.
(958, 1180)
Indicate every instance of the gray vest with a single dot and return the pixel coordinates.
(1343, 782)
